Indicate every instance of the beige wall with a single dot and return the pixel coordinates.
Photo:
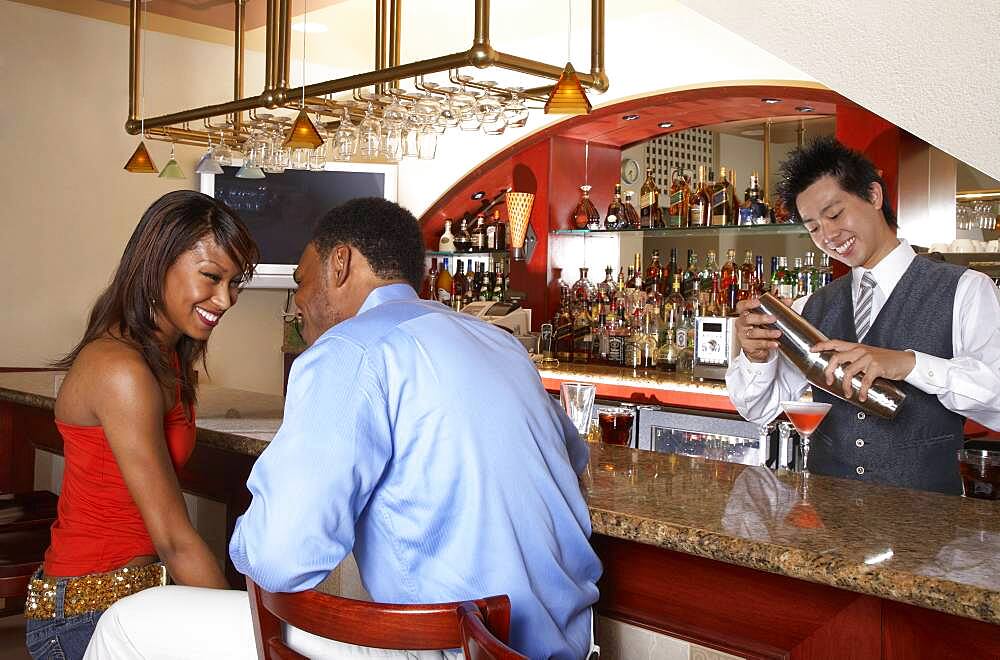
(69, 207)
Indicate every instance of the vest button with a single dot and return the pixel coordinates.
(860, 470)
(859, 442)
(861, 415)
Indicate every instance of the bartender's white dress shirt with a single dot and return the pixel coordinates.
(968, 383)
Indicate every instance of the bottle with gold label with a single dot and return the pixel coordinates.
(701, 202)
(649, 201)
(679, 200)
(723, 196)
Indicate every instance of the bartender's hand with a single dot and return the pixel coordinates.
(755, 341)
(871, 361)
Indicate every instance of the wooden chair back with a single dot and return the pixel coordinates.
(423, 627)
(478, 642)
(21, 553)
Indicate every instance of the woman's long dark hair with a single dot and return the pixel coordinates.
(171, 226)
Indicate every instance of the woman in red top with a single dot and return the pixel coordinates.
(126, 414)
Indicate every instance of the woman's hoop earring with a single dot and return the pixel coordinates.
(152, 313)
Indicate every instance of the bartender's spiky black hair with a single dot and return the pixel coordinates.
(384, 232)
(826, 156)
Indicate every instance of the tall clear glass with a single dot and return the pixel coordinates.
(578, 401)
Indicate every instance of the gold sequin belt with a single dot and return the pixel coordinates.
(90, 593)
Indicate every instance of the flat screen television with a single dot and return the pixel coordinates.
(281, 209)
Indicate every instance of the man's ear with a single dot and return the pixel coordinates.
(875, 194)
(340, 264)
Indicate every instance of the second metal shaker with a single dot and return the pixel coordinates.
(798, 336)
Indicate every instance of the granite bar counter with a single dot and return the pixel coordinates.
(744, 559)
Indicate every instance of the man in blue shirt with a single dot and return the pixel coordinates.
(443, 491)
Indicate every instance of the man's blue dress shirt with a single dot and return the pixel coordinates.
(423, 440)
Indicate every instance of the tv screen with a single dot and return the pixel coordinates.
(281, 209)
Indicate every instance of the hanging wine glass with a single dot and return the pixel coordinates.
(490, 107)
(369, 135)
(468, 110)
(345, 138)
(449, 117)
(393, 117)
(515, 112)
(411, 131)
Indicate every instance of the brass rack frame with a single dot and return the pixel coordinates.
(388, 70)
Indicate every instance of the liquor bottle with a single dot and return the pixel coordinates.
(825, 270)
(632, 220)
(653, 272)
(630, 278)
(646, 342)
(583, 291)
(796, 274)
(563, 331)
(585, 215)
(674, 300)
(460, 286)
(637, 271)
(486, 288)
(616, 335)
(679, 200)
(759, 282)
(693, 298)
(463, 242)
(710, 270)
(723, 201)
(754, 211)
(499, 291)
(776, 276)
(607, 290)
(684, 343)
(621, 284)
(447, 242)
(599, 348)
(582, 334)
(717, 302)
(615, 218)
(491, 231)
(427, 290)
(673, 268)
(667, 358)
(649, 196)
(746, 277)
(690, 274)
(474, 273)
(444, 283)
(701, 202)
(786, 281)
(808, 276)
(478, 236)
(729, 270)
(501, 232)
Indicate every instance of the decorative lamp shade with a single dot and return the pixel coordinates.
(208, 164)
(303, 135)
(518, 215)
(568, 97)
(172, 170)
(140, 162)
(246, 172)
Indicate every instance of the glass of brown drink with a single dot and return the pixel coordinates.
(616, 426)
(980, 472)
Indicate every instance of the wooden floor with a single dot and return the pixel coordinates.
(12, 638)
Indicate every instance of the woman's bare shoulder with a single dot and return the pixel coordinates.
(105, 368)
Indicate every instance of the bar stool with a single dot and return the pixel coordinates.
(380, 625)
(478, 643)
(27, 510)
(21, 553)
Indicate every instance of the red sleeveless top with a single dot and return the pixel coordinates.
(99, 527)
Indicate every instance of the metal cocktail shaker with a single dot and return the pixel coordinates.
(798, 335)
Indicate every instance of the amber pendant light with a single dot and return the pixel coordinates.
(568, 97)
(140, 161)
(303, 134)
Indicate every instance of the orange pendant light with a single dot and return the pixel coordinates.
(303, 135)
(568, 97)
(140, 162)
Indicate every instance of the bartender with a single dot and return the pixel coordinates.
(931, 325)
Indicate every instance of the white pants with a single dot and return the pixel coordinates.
(182, 623)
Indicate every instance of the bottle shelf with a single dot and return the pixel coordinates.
(481, 253)
(691, 232)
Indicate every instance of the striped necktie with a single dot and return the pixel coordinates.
(863, 310)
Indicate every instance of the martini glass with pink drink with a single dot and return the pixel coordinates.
(805, 416)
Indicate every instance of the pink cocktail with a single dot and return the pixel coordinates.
(805, 416)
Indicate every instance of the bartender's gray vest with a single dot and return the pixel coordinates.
(919, 448)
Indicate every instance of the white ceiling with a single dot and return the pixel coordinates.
(929, 67)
